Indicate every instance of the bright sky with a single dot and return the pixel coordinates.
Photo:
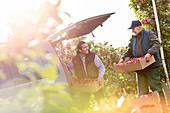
(13, 7)
(114, 30)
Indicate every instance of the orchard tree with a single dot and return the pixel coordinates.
(115, 83)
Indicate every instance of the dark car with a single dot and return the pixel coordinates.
(17, 79)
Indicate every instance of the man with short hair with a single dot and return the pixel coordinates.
(145, 43)
(87, 64)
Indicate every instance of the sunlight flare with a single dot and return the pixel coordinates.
(17, 6)
(96, 108)
(120, 101)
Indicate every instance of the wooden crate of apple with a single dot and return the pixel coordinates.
(133, 65)
(149, 103)
(86, 84)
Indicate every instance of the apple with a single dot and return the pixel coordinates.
(149, 21)
(146, 18)
(128, 62)
(120, 64)
(133, 61)
(105, 43)
(121, 50)
(124, 63)
(143, 21)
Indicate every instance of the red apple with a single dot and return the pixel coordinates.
(152, 15)
(105, 43)
(120, 64)
(128, 62)
(133, 61)
(149, 21)
(146, 18)
(121, 50)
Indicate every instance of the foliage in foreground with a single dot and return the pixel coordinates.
(45, 95)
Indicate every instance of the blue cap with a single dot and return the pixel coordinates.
(135, 23)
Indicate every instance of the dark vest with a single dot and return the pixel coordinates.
(145, 46)
(92, 70)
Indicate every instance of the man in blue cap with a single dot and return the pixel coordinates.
(145, 43)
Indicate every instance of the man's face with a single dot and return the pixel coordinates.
(136, 30)
(85, 49)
